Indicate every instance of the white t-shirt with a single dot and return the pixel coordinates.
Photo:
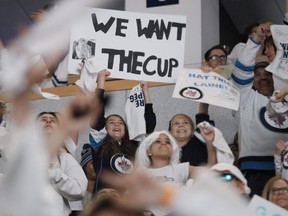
(174, 174)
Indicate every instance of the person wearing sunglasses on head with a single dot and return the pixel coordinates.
(231, 175)
(276, 191)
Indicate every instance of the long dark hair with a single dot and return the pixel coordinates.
(111, 146)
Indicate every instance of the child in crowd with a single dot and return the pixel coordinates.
(114, 151)
(158, 155)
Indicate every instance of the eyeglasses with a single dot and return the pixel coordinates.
(216, 57)
(275, 191)
(228, 177)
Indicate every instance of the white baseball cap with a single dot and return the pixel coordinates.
(233, 170)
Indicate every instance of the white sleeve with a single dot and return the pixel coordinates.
(243, 72)
(26, 174)
(278, 164)
(69, 179)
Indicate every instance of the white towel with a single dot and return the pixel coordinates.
(279, 65)
(37, 90)
(88, 76)
(134, 110)
(223, 152)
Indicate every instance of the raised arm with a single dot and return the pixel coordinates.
(97, 130)
(279, 149)
(149, 114)
(243, 70)
(208, 134)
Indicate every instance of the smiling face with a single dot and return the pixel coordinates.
(181, 127)
(115, 127)
(49, 123)
(278, 193)
(263, 81)
(161, 148)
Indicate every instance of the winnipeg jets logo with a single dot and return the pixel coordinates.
(120, 163)
(277, 122)
(124, 164)
(278, 119)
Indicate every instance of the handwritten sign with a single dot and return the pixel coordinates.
(130, 45)
(209, 88)
(261, 207)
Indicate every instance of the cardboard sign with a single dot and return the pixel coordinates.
(262, 207)
(156, 3)
(133, 46)
(209, 88)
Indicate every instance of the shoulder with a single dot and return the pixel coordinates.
(66, 159)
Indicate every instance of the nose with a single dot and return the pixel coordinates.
(48, 121)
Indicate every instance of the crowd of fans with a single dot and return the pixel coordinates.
(149, 174)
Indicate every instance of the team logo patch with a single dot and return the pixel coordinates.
(191, 93)
(120, 163)
(277, 123)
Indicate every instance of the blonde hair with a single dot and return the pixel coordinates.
(266, 190)
(142, 160)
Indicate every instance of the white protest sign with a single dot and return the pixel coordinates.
(130, 45)
(210, 88)
(261, 207)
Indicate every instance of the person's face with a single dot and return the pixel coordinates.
(278, 193)
(263, 81)
(161, 147)
(89, 171)
(115, 128)
(270, 52)
(181, 128)
(229, 178)
(48, 122)
(217, 57)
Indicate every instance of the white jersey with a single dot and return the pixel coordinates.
(258, 131)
